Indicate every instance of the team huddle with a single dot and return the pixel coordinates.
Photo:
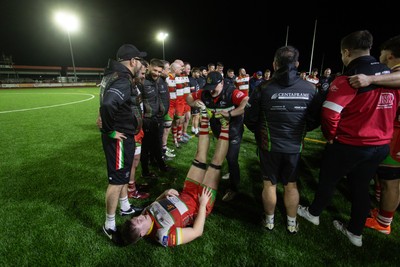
(356, 111)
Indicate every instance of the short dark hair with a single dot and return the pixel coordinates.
(129, 233)
(393, 45)
(155, 62)
(195, 69)
(358, 40)
(286, 55)
(144, 62)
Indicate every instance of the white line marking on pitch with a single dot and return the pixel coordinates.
(52, 106)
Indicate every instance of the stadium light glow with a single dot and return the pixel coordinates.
(161, 36)
(70, 23)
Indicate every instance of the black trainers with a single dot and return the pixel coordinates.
(109, 232)
(126, 212)
(114, 236)
(132, 210)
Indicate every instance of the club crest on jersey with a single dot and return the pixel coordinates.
(240, 94)
(165, 241)
(386, 100)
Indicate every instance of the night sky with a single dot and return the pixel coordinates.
(244, 35)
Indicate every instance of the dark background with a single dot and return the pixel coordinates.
(239, 35)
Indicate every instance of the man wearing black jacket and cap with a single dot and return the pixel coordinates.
(224, 100)
(121, 119)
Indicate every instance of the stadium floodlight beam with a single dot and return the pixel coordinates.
(162, 36)
(70, 23)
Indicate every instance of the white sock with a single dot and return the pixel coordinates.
(124, 203)
(270, 218)
(291, 221)
(110, 222)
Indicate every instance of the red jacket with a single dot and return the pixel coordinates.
(359, 118)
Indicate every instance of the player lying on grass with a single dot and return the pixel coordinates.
(178, 218)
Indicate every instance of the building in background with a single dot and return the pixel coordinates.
(11, 73)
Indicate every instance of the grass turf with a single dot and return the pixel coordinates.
(53, 182)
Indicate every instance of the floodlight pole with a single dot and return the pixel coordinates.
(70, 23)
(162, 36)
(287, 35)
(72, 56)
(312, 48)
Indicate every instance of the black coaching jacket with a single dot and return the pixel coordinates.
(282, 110)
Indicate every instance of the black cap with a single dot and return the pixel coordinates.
(128, 51)
(213, 79)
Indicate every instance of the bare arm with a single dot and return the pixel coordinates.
(240, 109)
(99, 122)
(168, 192)
(191, 233)
(362, 80)
(194, 103)
(237, 111)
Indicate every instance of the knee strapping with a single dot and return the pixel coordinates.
(217, 167)
(199, 164)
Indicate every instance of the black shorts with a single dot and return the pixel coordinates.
(388, 173)
(119, 157)
(276, 166)
(195, 110)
